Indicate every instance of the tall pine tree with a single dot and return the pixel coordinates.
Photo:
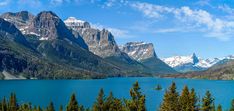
(13, 102)
(73, 104)
(170, 100)
(99, 105)
(232, 106)
(219, 108)
(50, 107)
(184, 100)
(207, 102)
(193, 100)
(137, 102)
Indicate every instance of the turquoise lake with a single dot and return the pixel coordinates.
(41, 92)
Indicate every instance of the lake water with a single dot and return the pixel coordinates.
(41, 92)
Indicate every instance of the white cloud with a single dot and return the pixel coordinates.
(112, 3)
(168, 30)
(226, 8)
(197, 19)
(151, 10)
(118, 33)
(4, 3)
(31, 3)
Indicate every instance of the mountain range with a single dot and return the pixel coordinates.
(192, 63)
(43, 46)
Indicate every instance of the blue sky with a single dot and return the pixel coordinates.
(175, 27)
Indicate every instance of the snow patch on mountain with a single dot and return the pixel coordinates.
(179, 62)
(75, 24)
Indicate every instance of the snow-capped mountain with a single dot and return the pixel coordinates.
(189, 63)
(194, 63)
(75, 24)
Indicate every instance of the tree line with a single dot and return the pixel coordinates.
(172, 101)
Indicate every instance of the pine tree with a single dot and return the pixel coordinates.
(13, 102)
(4, 104)
(61, 108)
(118, 105)
(51, 107)
(193, 100)
(109, 103)
(184, 100)
(170, 100)
(99, 105)
(207, 102)
(232, 106)
(73, 104)
(219, 108)
(137, 103)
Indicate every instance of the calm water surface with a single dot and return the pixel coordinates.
(41, 92)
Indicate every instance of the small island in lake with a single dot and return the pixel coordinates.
(158, 87)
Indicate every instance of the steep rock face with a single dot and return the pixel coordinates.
(9, 31)
(145, 53)
(100, 42)
(20, 19)
(48, 26)
(139, 50)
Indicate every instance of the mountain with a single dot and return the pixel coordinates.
(50, 27)
(100, 42)
(20, 60)
(145, 54)
(194, 63)
(188, 63)
(20, 19)
(69, 57)
(103, 44)
(224, 71)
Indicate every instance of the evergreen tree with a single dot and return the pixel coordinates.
(232, 106)
(4, 104)
(73, 104)
(118, 105)
(137, 103)
(13, 102)
(193, 100)
(219, 108)
(51, 107)
(99, 105)
(109, 103)
(170, 100)
(207, 102)
(184, 100)
(61, 108)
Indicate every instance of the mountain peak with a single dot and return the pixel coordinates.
(20, 19)
(76, 24)
(195, 58)
(139, 50)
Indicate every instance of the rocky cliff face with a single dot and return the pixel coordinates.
(10, 32)
(145, 53)
(20, 19)
(48, 26)
(139, 50)
(100, 42)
